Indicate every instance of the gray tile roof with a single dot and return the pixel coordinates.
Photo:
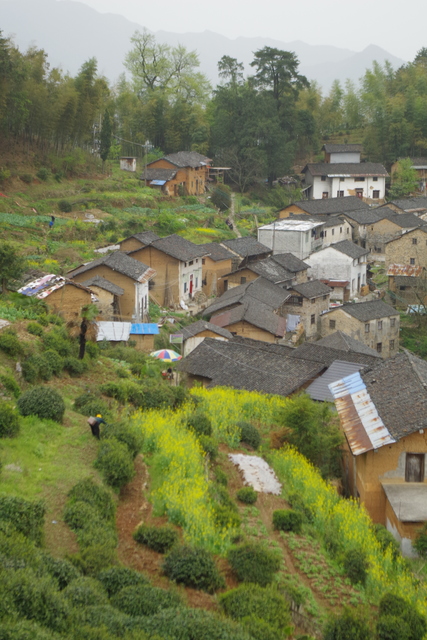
(187, 159)
(419, 162)
(332, 205)
(117, 261)
(202, 325)
(179, 248)
(411, 204)
(290, 262)
(242, 364)
(349, 249)
(255, 313)
(216, 252)
(271, 270)
(397, 387)
(344, 342)
(332, 221)
(246, 247)
(157, 173)
(260, 290)
(365, 311)
(364, 216)
(321, 353)
(103, 283)
(342, 148)
(146, 237)
(357, 169)
(405, 220)
(312, 289)
(423, 228)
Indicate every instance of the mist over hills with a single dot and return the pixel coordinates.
(71, 32)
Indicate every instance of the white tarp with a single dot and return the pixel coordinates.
(113, 331)
(257, 473)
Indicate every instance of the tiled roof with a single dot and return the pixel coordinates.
(322, 353)
(411, 204)
(260, 290)
(356, 169)
(202, 325)
(349, 249)
(146, 237)
(290, 262)
(403, 220)
(331, 205)
(188, 159)
(344, 342)
(312, 289)
(242, 365)
(342, 148)
(157, 173)
(245, 247)
(270, 270)
(120, 262)
(365, 311)
(103, 283)
(216, 252)
(255, 313)
(332, 221)
(419, 162)
(364, 216)
(179, 248)
(408, 233)
(397, 387)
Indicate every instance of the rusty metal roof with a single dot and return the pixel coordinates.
(363, 426)
(404, 270)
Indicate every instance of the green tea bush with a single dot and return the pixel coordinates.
(65, 206)
(194, 568)
(392, 628)
(60, 569)
(287, 520)
(252, 562)
(53, 360)
(297, 503)
(126, 434)
(95, 495)
(43, 402)
(200, 423)
(74, 366)
(115, 463)
(117, 578)
(10, 344)
(209, 446)
(220, 476)
(160, 539)
(58, 340)
(90, 560)
(225, 517)
(78, 515)
(92, 350)
(249, 434)
(88, 404)
(356, 566)
(264, 603)
(26, 177)
(103, 623)
(247, 495)
(27, 517)
(396, 606)
(350, 625)
(17, 551)
(85, 591)
(9, 385)
(144, 600)
(35, 328)
(98, 533)
(9, 421)
(25, 630)
(30, 371)
(43, 174)
(40, 365)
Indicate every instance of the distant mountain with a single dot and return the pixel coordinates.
(71, 33)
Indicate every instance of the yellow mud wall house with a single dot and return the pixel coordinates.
(182, 173)
(383, 414)
(62, 296)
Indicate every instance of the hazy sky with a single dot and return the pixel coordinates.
(399, 27)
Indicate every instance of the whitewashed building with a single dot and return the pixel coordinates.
(337, 180)
(299, 235)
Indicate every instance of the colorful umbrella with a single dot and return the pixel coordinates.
(167, 355)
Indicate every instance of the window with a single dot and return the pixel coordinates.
(342, 179)
(325, 195)
(323, 178)
(243, 280)
(414, 241)
(203, 261)
(367, 327)
(197, 260)
(225, 285)
(359, 179)
(348, 230)
(191, 262)
(332, 324)
(414, 467)
(380, 325)
(313, 319)
(197, 282)
(340, 229)
(392, 322)
(333, 232)
(411, 260)
(391, 345)
(376, 194)
(379, 347)
(185, 287)
(313, 300)
(325, 297)
(359, 193)
(340, 194)
(294, 300)
(375, 178)
(325, 233)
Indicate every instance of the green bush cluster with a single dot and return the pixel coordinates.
(58, 340)
(65, 206)
(9, 385)
(43, 174)
(252, 562)
(35, 328)
(420, 542)
(248, 495)
(386, 539)
(398, 618)
(356, 566)
(89, 404)
(42, 366)
(249, 434)
(74, 366)
(287, 520)
(297, 504)
(115, 462)
(350, 624)
(10, 343)
(144, 600)
(193, 567)
(43, 402)
(126, 434)
(85, 591)
(115, 579)
(145, 395)
(9, 421)
(160, 539)
(27, 517)
(200, 423)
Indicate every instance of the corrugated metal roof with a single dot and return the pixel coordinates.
(359, 417)
(404, 270)
(113, 331)
(144, 329)
(339, 369)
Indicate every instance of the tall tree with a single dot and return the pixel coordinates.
(105, 136)
(11, 265)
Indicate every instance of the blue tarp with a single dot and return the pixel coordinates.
(144, 329)
(158, 183)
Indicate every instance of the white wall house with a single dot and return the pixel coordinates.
(299, 236)
(365, 180)
(335, 153)
(343, 261)
(190, 280)
(336, 229)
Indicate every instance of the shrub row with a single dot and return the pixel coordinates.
(44, 402)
